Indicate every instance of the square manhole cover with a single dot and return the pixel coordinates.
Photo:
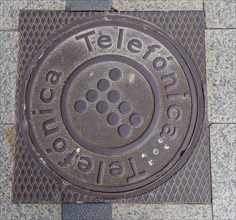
(111, 106)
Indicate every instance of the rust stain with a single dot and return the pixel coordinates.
(10, 135)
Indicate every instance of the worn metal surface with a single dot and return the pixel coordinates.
(122, 106)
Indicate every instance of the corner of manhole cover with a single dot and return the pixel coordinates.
(111, 105)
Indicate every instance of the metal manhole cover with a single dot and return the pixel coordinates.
(112, 105)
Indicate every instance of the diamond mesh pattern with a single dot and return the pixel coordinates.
(190, 185)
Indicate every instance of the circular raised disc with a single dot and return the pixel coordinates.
(102, 107)
(114, 96)
(115, 74)
(136, 120)
(125, 130)
(113, 118)
(92, 95)
(125, 108)
(80, 106)
(103, 85)
(160, 104)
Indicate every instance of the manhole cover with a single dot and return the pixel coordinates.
(112, 105)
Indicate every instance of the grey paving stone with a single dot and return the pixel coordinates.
(90, 211)
(6, 162)
(223, 154)
(220, 13)
(31, 212)
(157, 5)
(9, 10)
(223, 157)
(161, 212)
(221, 75)
(8, 73)
(224, 200)
(88, 5)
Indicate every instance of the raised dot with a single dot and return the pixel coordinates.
(103, 85)
(155, 151)
(92, 95)
(115, 74)
(125, 108)
(166, 146)
(160, 140)
(113, 118)
(80, 106)
(114, 96)
(102, 107)
(136, 120)
(125, 130)
(34, 112)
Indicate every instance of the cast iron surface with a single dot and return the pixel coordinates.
(112, 104)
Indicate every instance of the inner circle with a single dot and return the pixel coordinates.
(102, 107)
